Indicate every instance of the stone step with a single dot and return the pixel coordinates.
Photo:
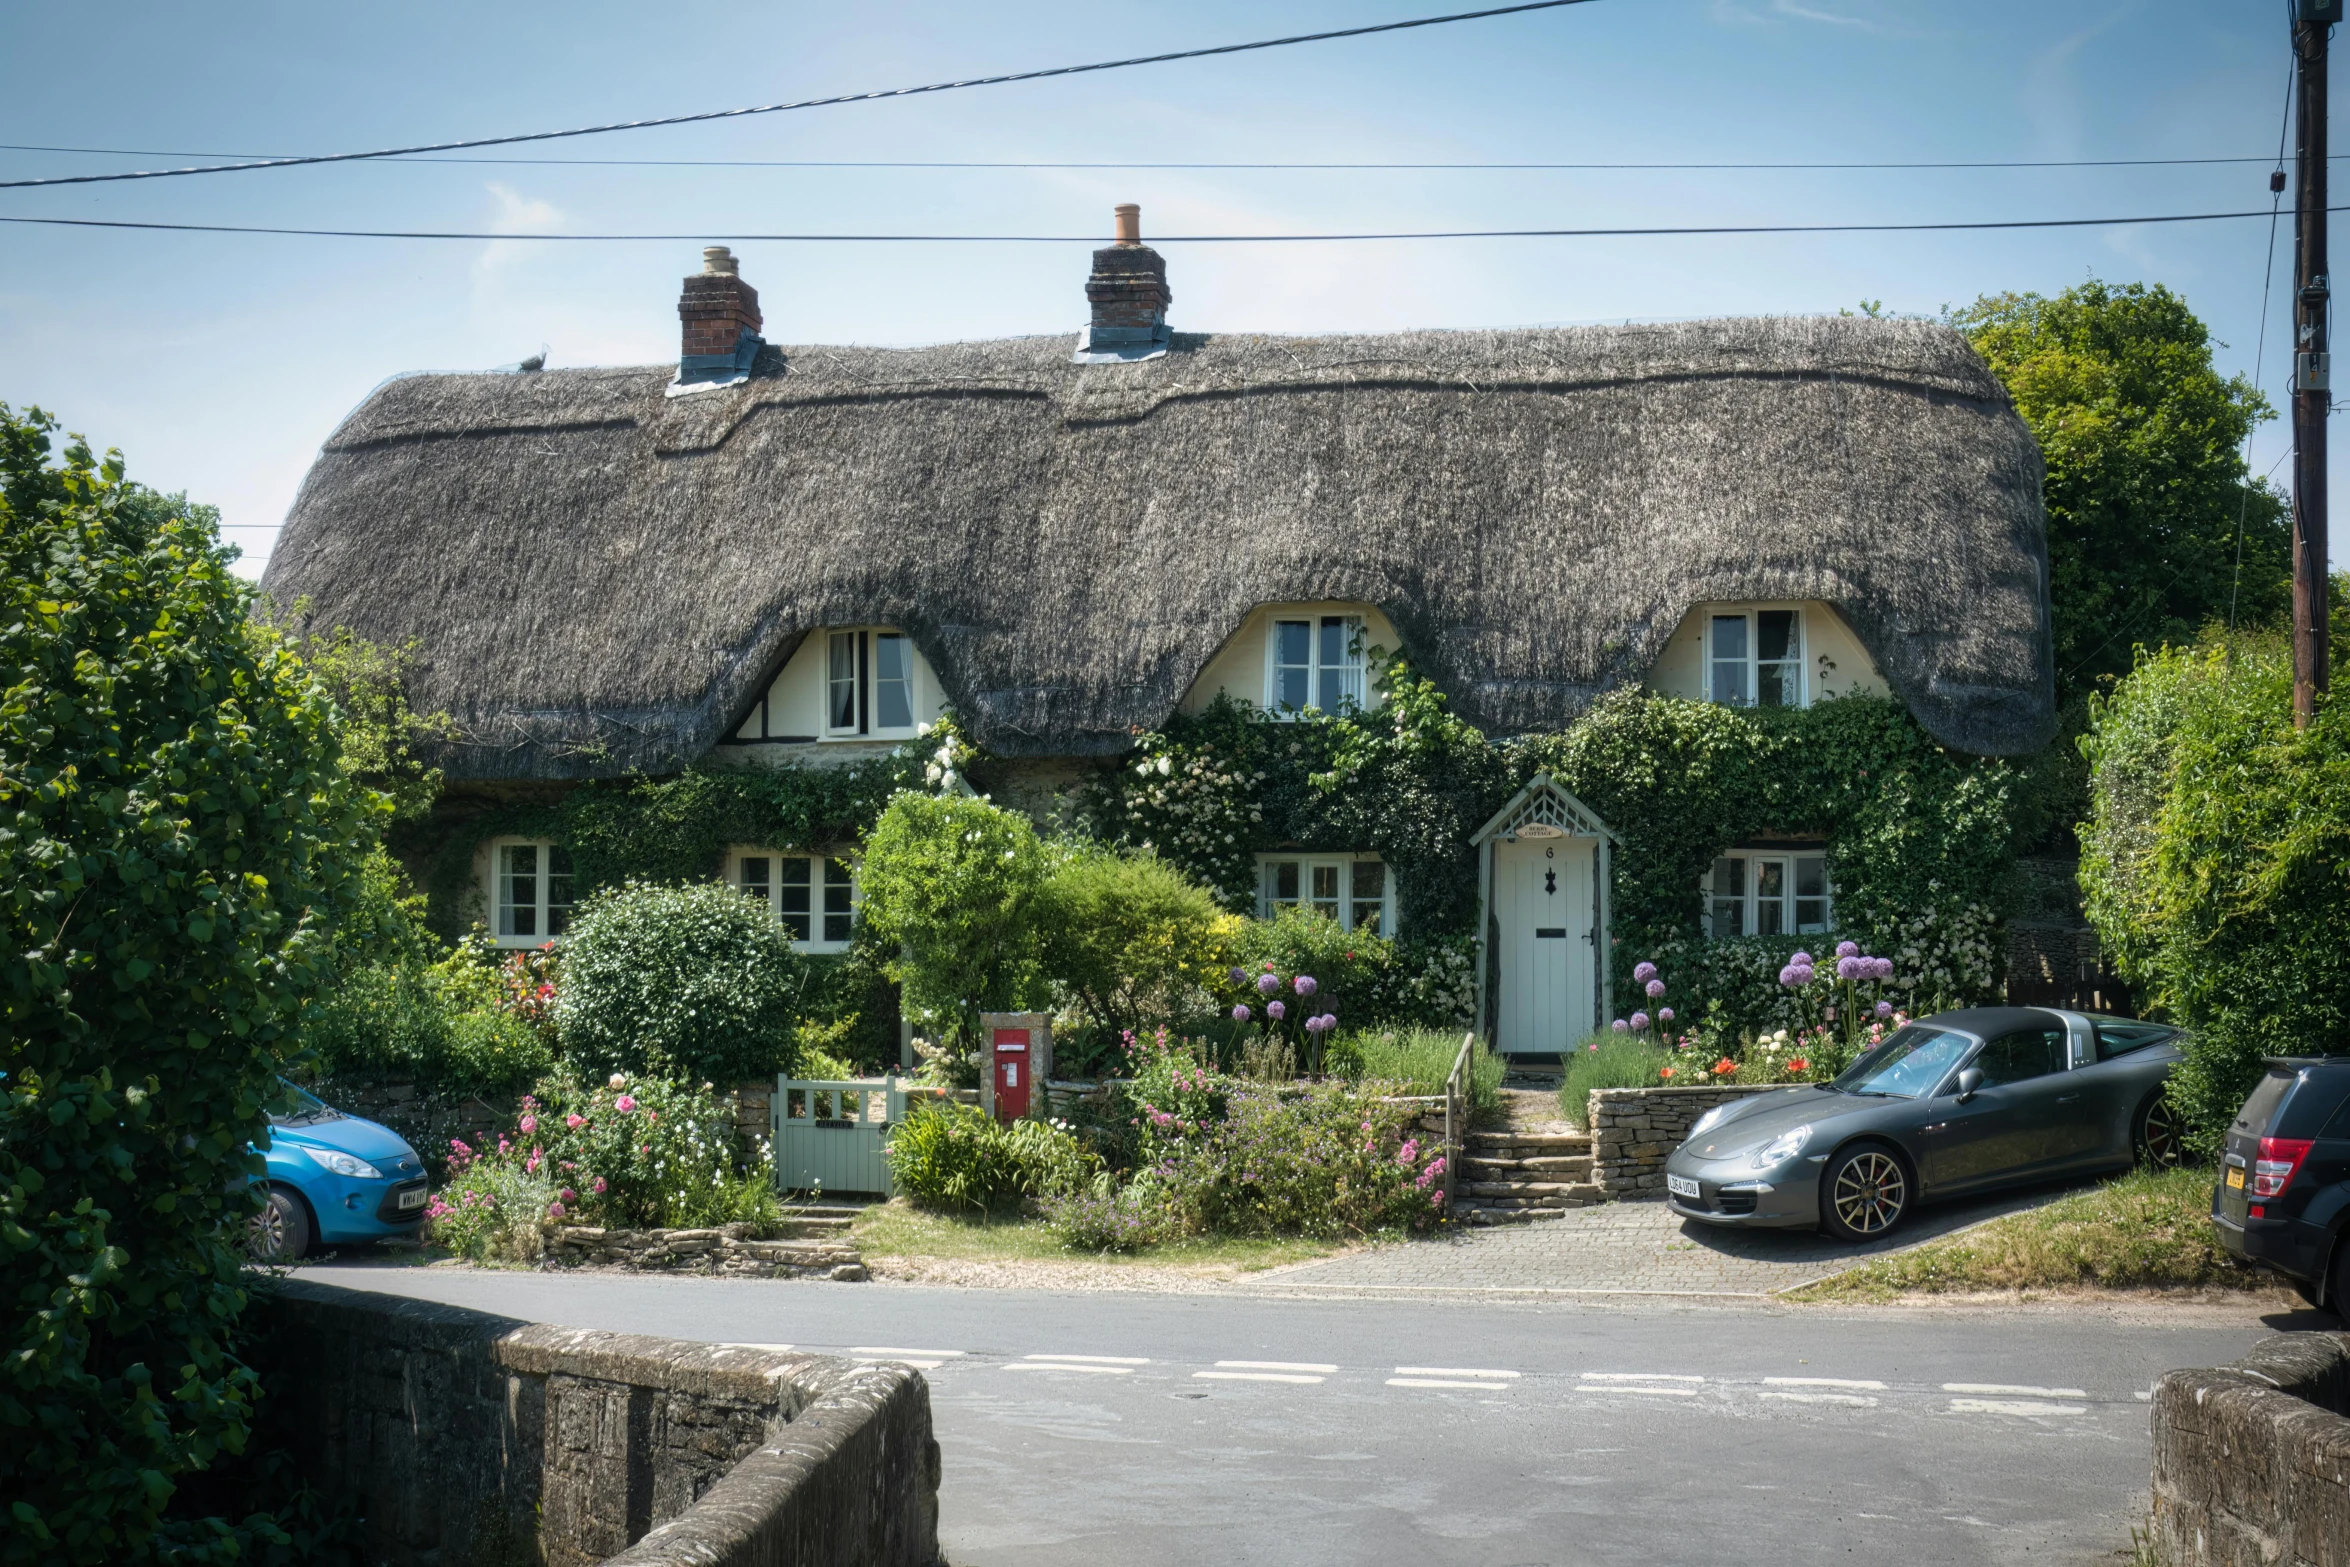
(843, 1211)
(1550, 1165)
(1520, 1144)
(1481, 1218)
(1514, 1188)
(797, 1226)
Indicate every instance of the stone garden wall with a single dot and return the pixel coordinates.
(1634, 1130)
(2252, 1461)
(468, 1437)
(732, 1250)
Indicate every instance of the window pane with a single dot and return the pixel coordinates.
(754, 874)
(841, 685)
(1341, 667)
(1729, 897)
(1770, 897)
(1368, 889)
(1774, 685)
(1811, 895)
(2020, 1057)
(1326, 889)
(792, 897)
(1774, 634)
(1284, 883)
(839, 901)
(1293, 664)
(893, 682)
(1729, 660)
(518, 889)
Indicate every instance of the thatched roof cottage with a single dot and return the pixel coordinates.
(795, 553)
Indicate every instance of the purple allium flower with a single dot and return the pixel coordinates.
(1801, 960)
(1656, 987)
(1803, 973)
(1619, 1025)
(1884, 1009)
(1639, 1021)
(1267, 984)
(1241, 1013)
(1664, 1014)
(1644, 971)
(1787, 975)
(1851, 968)
(1276, 1010)
(1307, 984)
(1240, 976)
(1881, 968)
(1848, 949)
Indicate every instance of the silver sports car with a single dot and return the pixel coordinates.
(1949, 1105)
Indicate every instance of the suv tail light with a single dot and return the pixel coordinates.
(2279, 1157)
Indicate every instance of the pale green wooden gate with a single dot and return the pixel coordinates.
(829, 1136)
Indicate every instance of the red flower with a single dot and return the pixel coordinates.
(1724, 1067)
(1664, 1071)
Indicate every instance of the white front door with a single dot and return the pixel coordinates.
(1543, 898)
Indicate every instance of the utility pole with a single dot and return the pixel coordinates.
(2313, 25)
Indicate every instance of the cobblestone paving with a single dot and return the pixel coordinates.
(1636, 1248)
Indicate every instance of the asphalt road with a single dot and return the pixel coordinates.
(1138, 1429)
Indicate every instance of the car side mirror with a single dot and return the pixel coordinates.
(1970, 1083)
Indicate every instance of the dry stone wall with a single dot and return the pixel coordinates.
(2252, 1461)
(465, 1437)
(732, 1250)
(1634, 1130)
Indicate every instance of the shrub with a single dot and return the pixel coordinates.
(446, 1024)
(2216, 862)
(180, 839)
(695, 982)
(493, 1208)
(952, 886)
(1131, 937)
(1419, 1062)
(1324, 1160)
(1609, 1060)
(956, 1157)
(1107, 1217)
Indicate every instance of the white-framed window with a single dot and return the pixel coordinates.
(1754, 658)
(868, 684)
(1314, 664)
(814, 896)
(1769, 892)
(531, 891)
(1356, 890)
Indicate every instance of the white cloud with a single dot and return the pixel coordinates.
(516, 214)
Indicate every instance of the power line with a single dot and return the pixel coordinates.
(271, 159)
(1162, 239)
(2268, 274)
(807, 103)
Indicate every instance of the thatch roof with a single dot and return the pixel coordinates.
(602, 579)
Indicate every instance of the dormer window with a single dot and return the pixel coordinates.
(1754, 658)
(1314, 664)
(869, 684)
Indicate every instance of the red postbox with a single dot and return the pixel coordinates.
(1013, 1075)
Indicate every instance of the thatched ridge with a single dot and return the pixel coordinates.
(602, 579)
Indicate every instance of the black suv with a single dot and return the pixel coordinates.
(2284, 1186)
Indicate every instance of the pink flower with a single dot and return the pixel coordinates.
(624, 1104)
(575, 1122)
(568, 1195)
(532, 1163)
(554, 1210)
(600, 1187)
(527, 1125)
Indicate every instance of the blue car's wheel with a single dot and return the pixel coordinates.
(1864, 1192)
(281, 1230)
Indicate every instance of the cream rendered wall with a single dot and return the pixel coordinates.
(795, 699)
(1239, 665)
(1680, 669)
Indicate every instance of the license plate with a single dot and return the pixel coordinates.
(414, 1199)
(2235, 1179)
(1680, 1186)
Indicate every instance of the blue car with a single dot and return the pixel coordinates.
(333, 1178)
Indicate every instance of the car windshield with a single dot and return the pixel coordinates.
(309, 1110)
(1909, 1065)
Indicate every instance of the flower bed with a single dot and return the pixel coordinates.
(731, 1250)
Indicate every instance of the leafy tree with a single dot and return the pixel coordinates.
(177, 838)
(953, 883)
(1129, 934)
(2216, 861)
(2146, 485)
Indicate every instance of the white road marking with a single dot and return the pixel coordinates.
(1845, 1382)
(1996, 1406)
(898, 1360)
(1097, 1360)
(1657, 1384)
(2143, 1397)
(1450, 1371)
(876, 1352)
(2013, 1390)
(1637, 1376)
(1066, 1365)
(1856, 1399)
(775, 1349)
(1488, 1387)
(1276, 1365)
(1251, 1376)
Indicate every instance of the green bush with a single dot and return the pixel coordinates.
(1325, 1160)
(1353, 971)
(956, 1157)
(385, 1021)
(180, 839)
(2216, 862)
(1419, 1061)
(1132, 938)
(696, 982)
(952, 885)
(1609, 1060)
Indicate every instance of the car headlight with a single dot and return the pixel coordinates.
(341, 1163)
(1781, 1148)
(1708, 1121)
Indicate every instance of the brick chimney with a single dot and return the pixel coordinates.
(1129, 295)
(721, 316)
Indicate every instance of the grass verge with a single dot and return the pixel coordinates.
(2150, 1229)
(897, 1229)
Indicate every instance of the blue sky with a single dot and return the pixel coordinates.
(218, 363)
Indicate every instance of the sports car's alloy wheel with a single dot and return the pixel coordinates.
(2161, 1137)
(1868, 1192)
